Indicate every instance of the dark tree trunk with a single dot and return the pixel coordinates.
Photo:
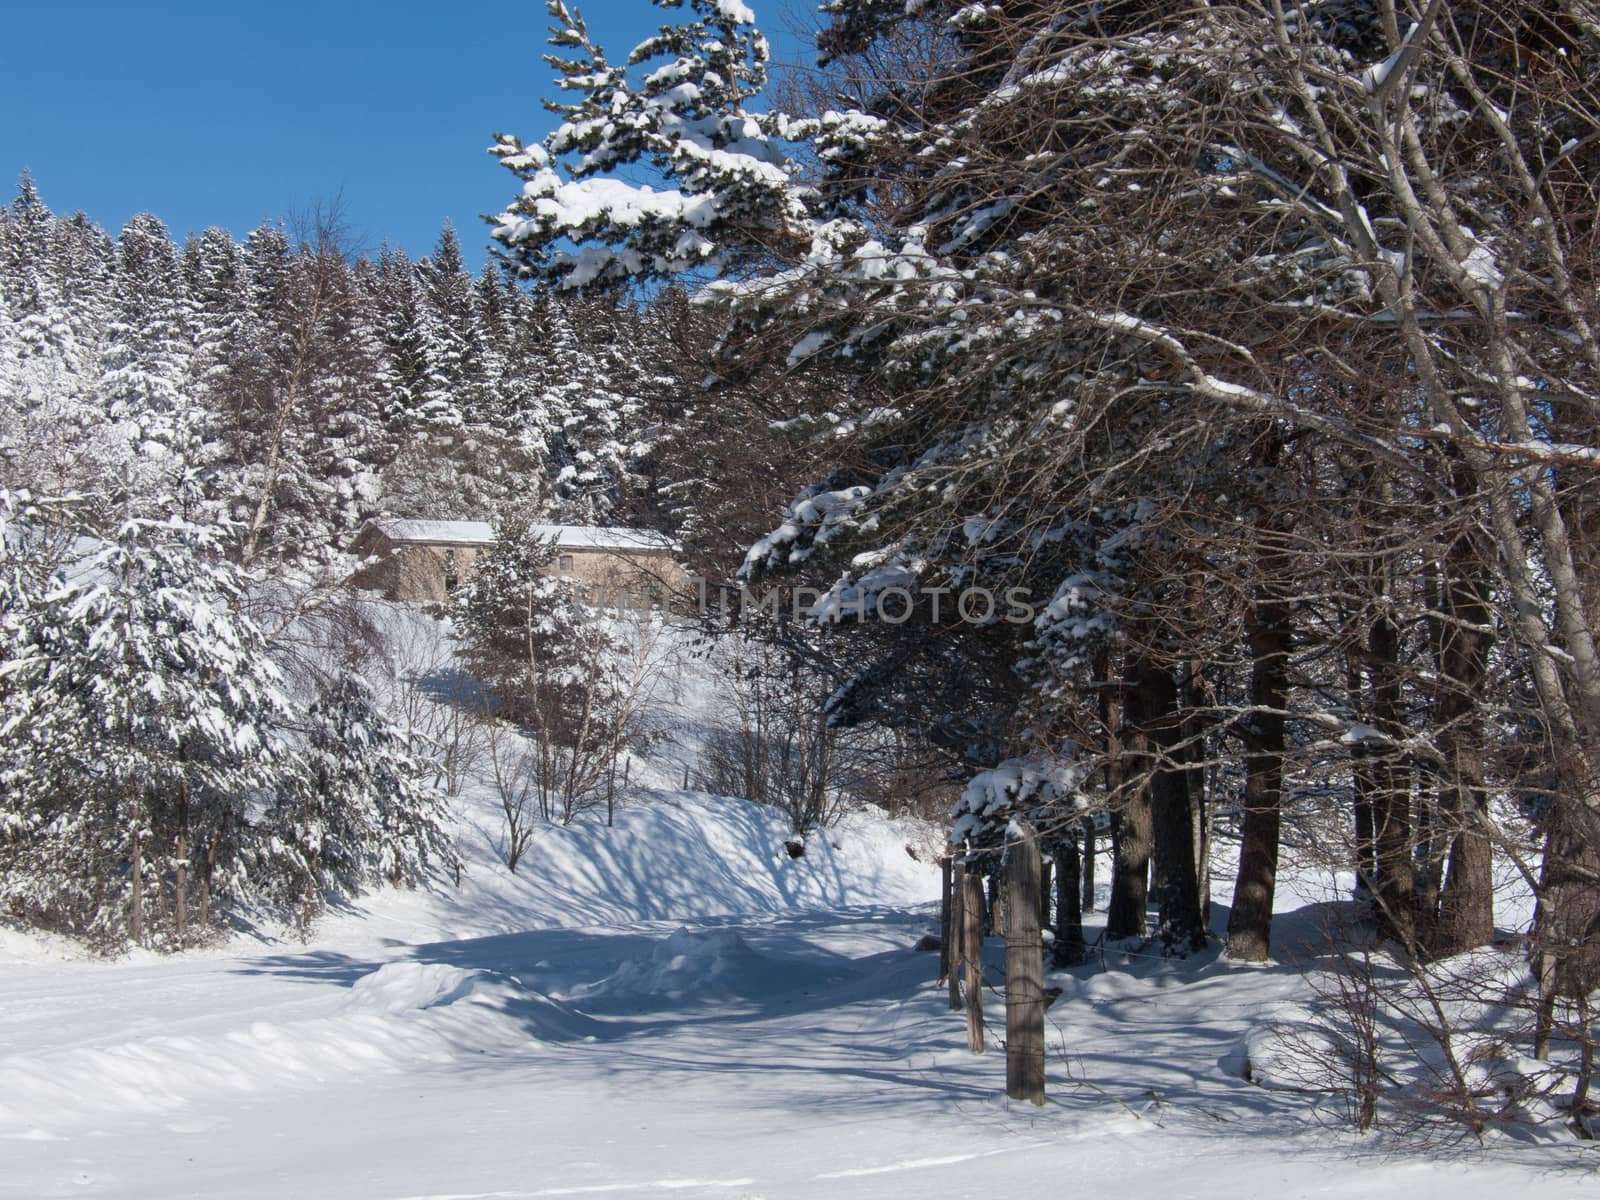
(1432, 847)
(1466, 901)
(1268, 631)
(1024, 971)
(1130, 868)
(1391, 795)
(1069, 948)
(136, 868)
(1130, 824)
(1366, 829)
(181, 883)
(996, 923)
(1197, 695)
(1088, 864)
(1174, 854)
(205, 881)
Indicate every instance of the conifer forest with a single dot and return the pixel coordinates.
(1126, 675)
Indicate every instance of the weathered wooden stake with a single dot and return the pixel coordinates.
(944, 920)
(957, 932)
(972, 899)
(1024, 970)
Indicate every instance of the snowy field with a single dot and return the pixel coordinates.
(672, 1007)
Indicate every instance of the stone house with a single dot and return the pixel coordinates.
(425, 560)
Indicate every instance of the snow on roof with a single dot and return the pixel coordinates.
(481, 533)
(460, 533)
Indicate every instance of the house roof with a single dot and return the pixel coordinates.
(481, 533)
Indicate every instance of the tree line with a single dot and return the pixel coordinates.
(297, 388)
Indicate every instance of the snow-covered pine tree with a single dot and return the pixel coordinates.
(415, 385)
(146, 363)
(522, 627)
(218, 320)
(594, 370)
(677, 105)
(455, 334)
(357, 810)
(54, 433)
(140, 725)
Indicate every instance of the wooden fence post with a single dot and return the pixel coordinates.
(957, 932)
(1024, 970)
(972, 950)
(944, 920)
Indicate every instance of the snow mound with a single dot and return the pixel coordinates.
(399, 987)
(1291, 1055)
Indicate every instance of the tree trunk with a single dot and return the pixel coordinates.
(1269, 635)
(1130, 868)
(136, 893)
(1567, 917)
(181, 883)
(1391, 797)
(1431, 840)
(1024, 971)
(1197, 695)
(1088, 864)
(1174, 854)
(136, 866)
(972, 952)
(997, 903)
(1130, 824)
(1366, 829)
(1466, 901)
(205, 882)
(1069, 947)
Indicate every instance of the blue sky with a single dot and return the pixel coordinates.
(225, 113)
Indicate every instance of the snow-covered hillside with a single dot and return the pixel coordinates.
(671, 856)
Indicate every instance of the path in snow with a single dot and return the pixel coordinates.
(773, 1055)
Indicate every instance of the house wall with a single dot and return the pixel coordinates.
(416, 571)
(614, 576)
(420, 573)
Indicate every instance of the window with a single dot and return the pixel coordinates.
(452, 573)
(564, 564)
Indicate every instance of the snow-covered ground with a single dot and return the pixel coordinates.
(675, 1007)
(671, 1007)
